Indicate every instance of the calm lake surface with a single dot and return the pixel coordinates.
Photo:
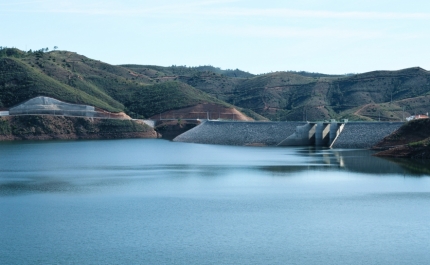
(159, 202)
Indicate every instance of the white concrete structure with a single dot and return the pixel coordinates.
(416, 117)
(47, 105)
(4, 113)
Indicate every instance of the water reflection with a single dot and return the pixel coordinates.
(362, 161)
(84, 166)
(415, 167)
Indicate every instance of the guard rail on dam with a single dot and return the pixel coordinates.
(333, 134)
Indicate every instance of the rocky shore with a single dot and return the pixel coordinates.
(412, 140)
(46, 127)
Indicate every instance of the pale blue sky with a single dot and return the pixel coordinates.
(332, 37)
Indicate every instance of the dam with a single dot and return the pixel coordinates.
(359, 135)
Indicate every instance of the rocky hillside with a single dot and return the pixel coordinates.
(412, 140)
(55, 127)
(146, 91)
(377, 95)
(74, 78)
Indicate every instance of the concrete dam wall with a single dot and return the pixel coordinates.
(364, 134)
(239, 133)
(360, 135)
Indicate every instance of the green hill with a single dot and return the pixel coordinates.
(145, 90)
(312, 96)
(75, 78)
(153, 99)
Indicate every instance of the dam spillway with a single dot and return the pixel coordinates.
(361, 135)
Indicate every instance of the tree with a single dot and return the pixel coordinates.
(55, 47)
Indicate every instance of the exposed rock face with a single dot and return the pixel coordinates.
(412, 140)
(171, 129)
(239, 133)
(204, 111)
(37, 127)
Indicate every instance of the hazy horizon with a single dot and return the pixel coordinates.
(258, 37)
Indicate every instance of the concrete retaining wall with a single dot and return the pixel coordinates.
(304, 136)
(322, 134)
(364, 134)
(239, 133)
(150, 123)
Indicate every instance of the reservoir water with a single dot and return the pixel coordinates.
(160, 202)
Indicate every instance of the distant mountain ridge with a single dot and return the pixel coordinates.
(145, 90)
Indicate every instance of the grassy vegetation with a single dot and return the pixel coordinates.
(5, 127)
(188, 71)
(150, 100)
(425, 142)
(143, 90)
(20, 82)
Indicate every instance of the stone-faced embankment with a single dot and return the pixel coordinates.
(239, 133)
(364, 135)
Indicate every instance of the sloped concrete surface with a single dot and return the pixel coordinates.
(363, 135)
(239, 133)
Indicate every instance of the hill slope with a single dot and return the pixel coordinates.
(384, 95)
(412, 140)
(144, 91)
(74, 78)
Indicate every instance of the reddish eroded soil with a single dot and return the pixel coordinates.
(204, 111)
(113, 115)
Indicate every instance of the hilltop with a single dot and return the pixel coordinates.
(74, 78)
(144, 91)
(287, 95)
